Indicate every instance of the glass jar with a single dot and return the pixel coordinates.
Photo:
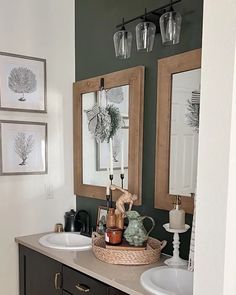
(113, 236)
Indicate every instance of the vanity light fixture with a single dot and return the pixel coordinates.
(145, 34)
(164, 20)
(170, 25)
(122, 42)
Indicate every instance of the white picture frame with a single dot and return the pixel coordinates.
(22, 83)
(102, 214)
(23, 147)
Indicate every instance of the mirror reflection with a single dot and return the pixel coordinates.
(105, 136)
(185, 106)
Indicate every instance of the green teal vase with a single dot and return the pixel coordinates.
(136, 234)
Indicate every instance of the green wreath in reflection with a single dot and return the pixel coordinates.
(103, 123)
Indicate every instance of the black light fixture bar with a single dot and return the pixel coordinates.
(157, 11)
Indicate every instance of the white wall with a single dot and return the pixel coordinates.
(215, 271)
(230, 242)
(41, 28)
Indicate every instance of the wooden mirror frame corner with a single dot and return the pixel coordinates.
(166, 68)
(134, 77)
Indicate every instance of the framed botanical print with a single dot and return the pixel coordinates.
(119, 97)
(103, 154)
(22, 83)
(23, 147)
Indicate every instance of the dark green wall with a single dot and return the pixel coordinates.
(95, 26)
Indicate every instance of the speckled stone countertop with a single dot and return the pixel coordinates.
(124, 278)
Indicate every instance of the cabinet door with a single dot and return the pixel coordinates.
(39, 274)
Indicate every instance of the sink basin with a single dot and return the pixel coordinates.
(168, 281)
(66, 241)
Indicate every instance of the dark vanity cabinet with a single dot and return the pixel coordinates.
(38, 273)
(41, 275)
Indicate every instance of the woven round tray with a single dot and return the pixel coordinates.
(124, 257)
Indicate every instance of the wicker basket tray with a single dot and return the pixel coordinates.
(148, 256)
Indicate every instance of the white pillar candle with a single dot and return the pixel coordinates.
(103, 98)
(111, 157)
(122, 156)
(108, 191)
(99, 97)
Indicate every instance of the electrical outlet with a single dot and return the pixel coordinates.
(49, 191)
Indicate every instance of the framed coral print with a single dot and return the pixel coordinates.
(102, 151)
(119, 97)
(23, 148)
(22, 83)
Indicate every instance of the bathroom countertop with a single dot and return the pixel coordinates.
(124, 278)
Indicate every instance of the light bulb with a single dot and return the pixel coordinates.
(122, 43)
(145, 36)
(169, 28)
(170, 25)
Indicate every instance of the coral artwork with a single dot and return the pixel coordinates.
(23, 146)
(115, 95)
(192, 115)
(21, 81)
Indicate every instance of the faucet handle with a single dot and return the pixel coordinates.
(83, 227)
(85, 221)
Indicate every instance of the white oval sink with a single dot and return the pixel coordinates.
(66, 241)
(168, 281)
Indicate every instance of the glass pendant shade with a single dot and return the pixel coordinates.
(122, 43)
(145, 36)
(170, 25)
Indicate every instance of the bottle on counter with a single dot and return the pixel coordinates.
(111, 218)
(119, 221)
(113, 234)
(177, 215)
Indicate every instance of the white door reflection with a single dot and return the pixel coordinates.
(185, 104)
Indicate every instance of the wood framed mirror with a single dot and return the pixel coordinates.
(178, 104)
(124, 90)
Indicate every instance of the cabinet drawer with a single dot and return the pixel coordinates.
(77, 283)
(113, 291)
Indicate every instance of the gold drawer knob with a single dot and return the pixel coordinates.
(57, 281)
(82, 288)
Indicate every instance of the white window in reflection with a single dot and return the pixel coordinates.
(96, 154)
(185, 105)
